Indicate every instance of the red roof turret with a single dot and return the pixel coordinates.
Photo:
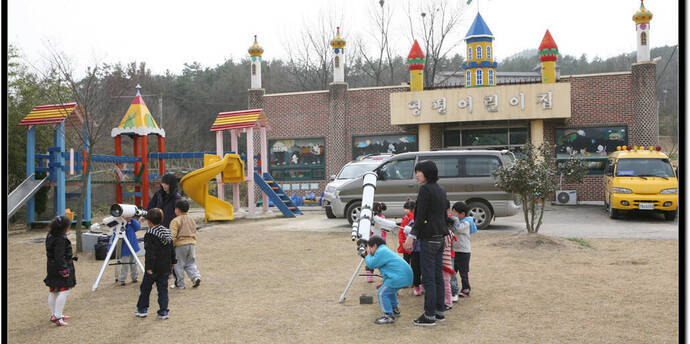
(416, 58)
(548, 50)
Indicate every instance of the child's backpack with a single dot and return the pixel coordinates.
(473, 227)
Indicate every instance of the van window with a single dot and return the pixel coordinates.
(398, 169)
(644, 168)
(448, 166)
(480, 165)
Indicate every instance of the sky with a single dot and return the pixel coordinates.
(168, 34)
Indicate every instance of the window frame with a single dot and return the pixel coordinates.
(488, 52)
(468, 78)
(479, 52)
(480, 77)
(309, 169)
(490, 76)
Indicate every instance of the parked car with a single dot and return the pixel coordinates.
(640, 180)
(351, 170)
(464, 174)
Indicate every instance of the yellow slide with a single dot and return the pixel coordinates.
(195, 184)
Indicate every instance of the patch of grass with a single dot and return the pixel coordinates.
(581, 241)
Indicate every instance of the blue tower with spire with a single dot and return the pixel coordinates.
(480, 68)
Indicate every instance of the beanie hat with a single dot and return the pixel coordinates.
(429, 169)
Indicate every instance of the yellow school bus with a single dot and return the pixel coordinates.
(640, 179)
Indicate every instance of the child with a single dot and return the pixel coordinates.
(447, 260)
(60, 266)
(412, 256)
(396, 274)
(160, 256)
(128, 260)
(463, 226)
(377, 209)
(183, 230)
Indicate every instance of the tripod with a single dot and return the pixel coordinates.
(119, 230)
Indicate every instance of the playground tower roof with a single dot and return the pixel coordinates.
(45, 114)
(239, 119)
(137, 120)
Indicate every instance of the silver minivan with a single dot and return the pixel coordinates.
(464, 174)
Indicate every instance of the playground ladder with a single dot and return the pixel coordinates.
(269, 186)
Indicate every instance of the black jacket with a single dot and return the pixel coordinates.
(167, 206)
(430, 212)
(59, 254)
(160, 253)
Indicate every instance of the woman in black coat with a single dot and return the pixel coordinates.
(60, 268)
(430, 228)
(165, 198)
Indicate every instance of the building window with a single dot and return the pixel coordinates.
(643, 38)
(491, 75)
(394, 144)
(469, 53)
(253, 69)
(337, 61)
(591, 144)
(298, 159)
(468, 78)
(479, 52)
(488, 53)
(480, 75)
(492, 138)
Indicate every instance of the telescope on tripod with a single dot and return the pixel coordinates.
(118, 212)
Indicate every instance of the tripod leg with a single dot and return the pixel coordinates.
(105, 263)
(342, 296)
(134, 254)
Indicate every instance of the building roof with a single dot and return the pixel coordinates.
(137, 120)
(255, 49)
(338, 42)
(643, 15)
(45, 114)
(548, 50)
(479, 28)
(239, 119)
(416, 58)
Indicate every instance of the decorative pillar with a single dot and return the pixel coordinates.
(145, 172)
(59, 170)
(548, 54)
(416, 61)
(338, 45)
(30, 169)
(250, 172)
(536, 127)
(219, 152)
(137, 165)
(255, 51)
(118, 152)
(337, 141)
(645, 122)
(264, 166)
(642, 18)
(424, 133)
(235, 186)
(161, 149)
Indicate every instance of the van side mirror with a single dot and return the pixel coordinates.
(332, 177)
(609, 170)
(380, 175)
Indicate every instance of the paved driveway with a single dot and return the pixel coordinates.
(582, 221)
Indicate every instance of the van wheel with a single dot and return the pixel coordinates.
(352, 212)
(481, 213)
(670, 215)
(613, 213)
(329, 213)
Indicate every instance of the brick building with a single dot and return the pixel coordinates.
(313, 134)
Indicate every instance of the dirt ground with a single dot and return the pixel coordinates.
(263, 284)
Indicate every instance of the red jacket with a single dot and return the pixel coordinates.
(401, 234)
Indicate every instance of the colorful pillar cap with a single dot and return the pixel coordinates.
(138, 120)
(338, 43)
(256, 49)
(548, 50)
(416, 58)
(643, 15)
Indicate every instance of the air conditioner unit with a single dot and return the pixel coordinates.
(566, 197)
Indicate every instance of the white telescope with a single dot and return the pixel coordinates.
(366, 215)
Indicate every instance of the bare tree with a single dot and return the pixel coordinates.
(381, 20)
(95, 107)
(433, 24)
(309, 55)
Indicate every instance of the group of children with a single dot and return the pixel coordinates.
(167, 250)
(403, 272)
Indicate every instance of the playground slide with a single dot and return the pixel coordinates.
(195, 184)
(23, 193)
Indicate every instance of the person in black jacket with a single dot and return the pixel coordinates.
(430, 228)
(165, 198)
(160, 259)
(60, 268)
